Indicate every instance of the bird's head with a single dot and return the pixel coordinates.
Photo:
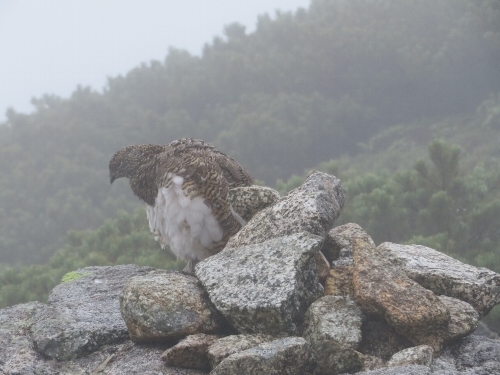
(124, 162)
(130, 160)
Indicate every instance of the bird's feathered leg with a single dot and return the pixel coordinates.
(190, 266)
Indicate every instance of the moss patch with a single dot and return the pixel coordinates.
(73, 275)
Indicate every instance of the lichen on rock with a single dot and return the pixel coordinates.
(266, 287)
(166, 305)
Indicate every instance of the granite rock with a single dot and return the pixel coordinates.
(475, 352)
(248, 200)
(166, 305)
(332, 326)
(417, 355)
(127, 358)
(286, 356)
(372, 363)
(444, 275)
(339, 281)
(401, 370)
(338, 241)
(334, 318)
(382, 290)
(190, 352)
(463, 320)
(312, 207)
(83, 314)
(381, 340)
(444, 364)
(17, 352)
(267, 287)
(228, 345)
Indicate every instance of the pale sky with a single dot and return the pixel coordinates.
(51, 46)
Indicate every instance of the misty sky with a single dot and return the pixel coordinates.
(51, 46)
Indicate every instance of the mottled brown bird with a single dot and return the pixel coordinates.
(185, 186)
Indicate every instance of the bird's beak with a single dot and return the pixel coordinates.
(111, 179)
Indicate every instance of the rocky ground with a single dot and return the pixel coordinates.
(290, 294)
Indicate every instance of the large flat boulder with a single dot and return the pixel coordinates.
(266, 287)
(83, 314)
(442, 274)
(384, 291)
(162, 306)
(312, 207)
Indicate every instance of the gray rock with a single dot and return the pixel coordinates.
(384, 291)
(463, 320)
(190, 352)
(444, 364)
(228, 345)
(338, 241)
(338, 246)
(83, 314)
(127, 358)
(400, 370)
(286, 356)
(381, 340)
(332, 326)
(476, 351)
(372, 363)
(312, 207)
(267, 287)
(166, 305)
(442, 274)
(17, 354)
(334, 318)
(248, 200)
(417, 355)
(339, 280)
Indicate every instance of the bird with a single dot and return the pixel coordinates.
(185, 186)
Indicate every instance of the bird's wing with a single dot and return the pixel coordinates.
(233, 172)
(202, 177)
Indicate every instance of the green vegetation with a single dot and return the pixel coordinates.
(399, 99)
(437, 203)
(123, 240)
(73, 275)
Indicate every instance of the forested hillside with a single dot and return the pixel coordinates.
(360, 88)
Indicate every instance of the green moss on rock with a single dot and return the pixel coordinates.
(73, 275)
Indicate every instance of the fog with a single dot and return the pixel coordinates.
(399, 99)
(51, 46)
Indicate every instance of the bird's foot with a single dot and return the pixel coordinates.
(190, 266)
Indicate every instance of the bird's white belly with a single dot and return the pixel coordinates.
(186, 225)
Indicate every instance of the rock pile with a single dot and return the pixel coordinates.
(289, 294)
